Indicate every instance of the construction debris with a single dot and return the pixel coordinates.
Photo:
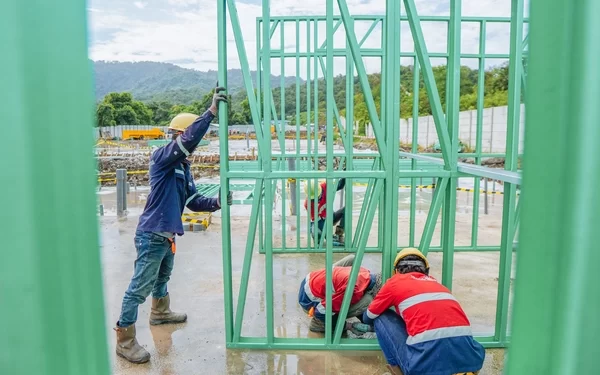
(137, 165)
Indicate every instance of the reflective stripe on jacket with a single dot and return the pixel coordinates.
(172, 186)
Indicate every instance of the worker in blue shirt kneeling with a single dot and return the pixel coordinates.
(172, 189)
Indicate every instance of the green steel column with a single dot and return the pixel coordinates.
(452, 102)
(557, 303)
(52, 310)
(308, 117)
(224, 166)
(392, 121)
(510, 164)
(382, 227)
(258, 68)
(329, 147)
(414, 150)
(267, 166)
(316, 96)
(479, 130)
(298, 144)
(282, 162)
(349, 196)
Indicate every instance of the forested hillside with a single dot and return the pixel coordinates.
(153, 81)
(117, 109)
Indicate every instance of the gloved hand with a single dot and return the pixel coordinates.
(218, 97)
(229, 198)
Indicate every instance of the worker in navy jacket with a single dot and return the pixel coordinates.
(172, 189)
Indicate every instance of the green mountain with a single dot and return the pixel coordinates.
(154, 81)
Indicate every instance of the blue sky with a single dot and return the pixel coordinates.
(184, 32)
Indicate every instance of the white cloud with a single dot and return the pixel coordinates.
(183, 2)
(185, 31)
(140, 4)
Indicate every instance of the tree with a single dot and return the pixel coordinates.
(126, 116)
(161, 112)
(142, 112)
(105, 115)
(122, 104)
(245, 112)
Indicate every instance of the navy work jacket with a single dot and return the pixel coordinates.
(172, 186)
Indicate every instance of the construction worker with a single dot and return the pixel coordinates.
(429, 333)
(312, 297)
(320, 193)
(172, 189)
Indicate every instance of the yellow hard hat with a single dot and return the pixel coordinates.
(410, 251)
(310, 190)
(182, 121)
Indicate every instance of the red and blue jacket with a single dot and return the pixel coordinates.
(172, 186)
(322, 201)
(439, 333)
(313, 288)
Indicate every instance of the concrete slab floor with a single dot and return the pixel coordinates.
(196, 287)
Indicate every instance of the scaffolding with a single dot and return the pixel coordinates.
(383, 171)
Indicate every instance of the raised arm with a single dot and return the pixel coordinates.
(185, 144)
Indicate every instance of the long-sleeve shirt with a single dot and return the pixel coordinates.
(437, 339)
(322, 201)
(427, 307)
(172, 186)
(313, 289)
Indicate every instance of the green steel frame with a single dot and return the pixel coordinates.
(384, 170)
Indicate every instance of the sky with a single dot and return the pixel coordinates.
(184, 32)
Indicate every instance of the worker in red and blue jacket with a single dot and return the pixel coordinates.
(172, 189)
(312, 292)
(429, 333)
(320, 193)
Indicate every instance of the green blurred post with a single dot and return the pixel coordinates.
(224, 165)
(557, 302)
(52, 310)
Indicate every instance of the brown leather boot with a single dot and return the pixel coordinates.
(128, 347)
(162, 314)
(395, 370)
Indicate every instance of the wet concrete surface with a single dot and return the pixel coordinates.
(196, 287)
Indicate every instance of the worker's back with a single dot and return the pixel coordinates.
(439, 336)
(339, 277)
(426, 305)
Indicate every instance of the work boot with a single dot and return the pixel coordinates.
(395, 370)
(162, 314)
(378, 284)
(316, 326)
(339, 232)
(128, 347)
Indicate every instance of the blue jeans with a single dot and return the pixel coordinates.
(152, 271)
(392, 335)
(339, 218)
